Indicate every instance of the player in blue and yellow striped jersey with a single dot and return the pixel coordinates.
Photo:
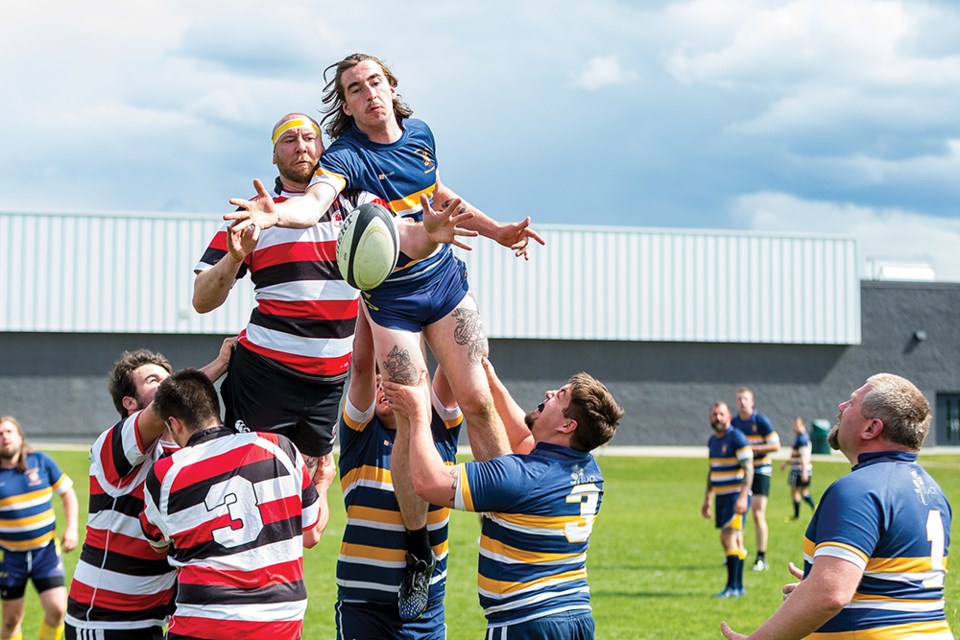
(801, 467)
(375, 545)
(538, 508)
(29, 549)
(728, 485)
(875, 551)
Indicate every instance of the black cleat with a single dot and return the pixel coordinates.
(415, 587)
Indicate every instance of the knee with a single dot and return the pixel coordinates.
(11, 622)
(478, 407)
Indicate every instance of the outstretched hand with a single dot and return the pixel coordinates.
(442, 226)
(260, 211)
(517, 236)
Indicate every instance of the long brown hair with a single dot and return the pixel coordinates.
(336, 121)
(25, 447)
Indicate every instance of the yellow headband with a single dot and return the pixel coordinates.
(291, 124)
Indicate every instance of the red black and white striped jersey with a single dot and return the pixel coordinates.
(120, 582)
(306, 313)
(233, 508)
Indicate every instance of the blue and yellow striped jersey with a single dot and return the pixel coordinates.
(726, 453)
(891, 519)
(27, 518)
(371, 561)
(759, 431)
(538, 513)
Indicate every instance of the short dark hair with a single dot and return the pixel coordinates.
(189, 396)
(120, 379)
(904, 411)
(596, 412)
(336, 121)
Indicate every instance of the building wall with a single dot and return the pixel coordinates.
(56, 382)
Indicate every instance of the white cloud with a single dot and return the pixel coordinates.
(883, 234)
(600, 72)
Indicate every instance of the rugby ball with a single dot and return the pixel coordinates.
(368, 246)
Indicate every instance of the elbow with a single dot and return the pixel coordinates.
(201, 305)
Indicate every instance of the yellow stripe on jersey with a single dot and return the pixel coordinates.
(17, 545)
(372, 514)
(464, 487)
(29, 522)
(453, 423)
(810, 549)
(19, 500)
(522, 555)
(411, 203)
(538, 522)
(937, 630)
(355, 425)
(372, 553)
(365, 473)
(724, 461)
(506, 588)
(900, 565)
(337, 180)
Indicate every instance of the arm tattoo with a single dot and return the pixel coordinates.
(469, 333)
(399, 367)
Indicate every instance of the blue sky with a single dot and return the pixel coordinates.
(837, 116)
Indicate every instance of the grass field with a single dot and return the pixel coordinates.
(653, 562)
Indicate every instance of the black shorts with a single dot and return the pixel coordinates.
(796, 479)
(260, 397)
(761, 485)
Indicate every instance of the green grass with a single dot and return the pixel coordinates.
(653, 562)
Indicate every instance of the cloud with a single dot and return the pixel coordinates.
(600, 72)
(883, 234)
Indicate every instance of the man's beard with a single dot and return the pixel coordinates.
(833, 438)
(530, 418)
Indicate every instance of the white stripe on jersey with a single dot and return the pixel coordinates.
(372, 562)
(898, 605)
(274, 236)
(30, 526)
(536, 598)
(94, 630)
(373, 586)
(539, 585)
(373, 524)
(300, 290)
(131, 451)
(373, 484)
(116, 522)
(838, 552)
(309, 347)
(252, 559)
(268, 612)
(122, 582)
(539, 614)
(26, 504)
(919, 576)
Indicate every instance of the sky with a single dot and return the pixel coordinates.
(831, 116)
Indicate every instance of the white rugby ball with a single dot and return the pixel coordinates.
(368, 246)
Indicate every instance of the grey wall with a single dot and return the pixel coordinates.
(56, 383)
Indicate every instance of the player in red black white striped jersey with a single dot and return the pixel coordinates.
(121, 589)
(288, 372)
(236, 511)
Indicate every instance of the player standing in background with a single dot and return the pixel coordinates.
(379, 148)
(235, 511)
(288, 371)
(121, 589)
(28, 536)
(373, 552)
(875, 551)
(538, 508)
(801, 467)
(728, 484)
(763, 441)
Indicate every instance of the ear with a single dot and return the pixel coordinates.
(346, 109)
(274, 156)
(130, 404)
(874, 429)
(568, 427)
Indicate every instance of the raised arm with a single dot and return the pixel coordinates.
(515, 235)
(299, 212)
(519, 436)
(212, 286)
(439, 226)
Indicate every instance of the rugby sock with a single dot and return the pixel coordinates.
(739, 573)
(796, 510)
(810, 502)
(50, 633)
(761, 555)
(418, 544)
(19, 636)
(732, 571)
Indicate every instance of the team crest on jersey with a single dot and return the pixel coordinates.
(920, 487)
(427, 160)
(577, 476)
(723, 449)
(33, 477)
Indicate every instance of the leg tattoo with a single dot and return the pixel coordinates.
(399, 367)
(469, 333)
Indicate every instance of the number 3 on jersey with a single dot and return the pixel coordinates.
(237, 498)
(589, 498)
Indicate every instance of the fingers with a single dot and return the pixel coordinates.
(244, 214)
(261, 190)
(795, 571)
(461, 244)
